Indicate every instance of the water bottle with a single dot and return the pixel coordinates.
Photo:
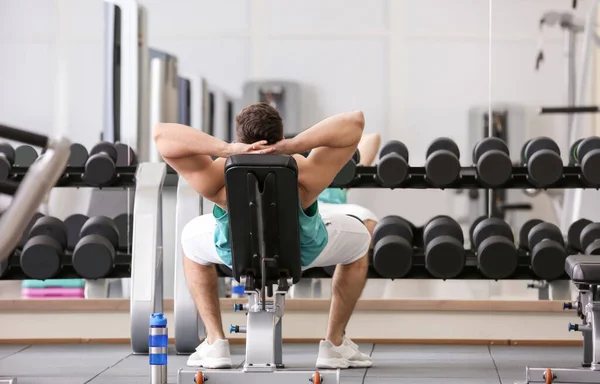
(158, 341)
(237, 290)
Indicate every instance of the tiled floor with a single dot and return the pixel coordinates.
(399, 364)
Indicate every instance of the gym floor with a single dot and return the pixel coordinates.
(400, 364)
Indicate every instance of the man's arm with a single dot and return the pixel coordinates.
(332, 143)
(188, 151)
(368, 147)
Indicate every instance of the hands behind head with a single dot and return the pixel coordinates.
(282, 147)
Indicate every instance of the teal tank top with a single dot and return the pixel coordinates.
(334, 196)
(313, 234)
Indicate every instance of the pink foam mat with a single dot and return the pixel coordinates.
(38, 293)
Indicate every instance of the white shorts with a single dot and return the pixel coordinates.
(347, 209)
(348, 241)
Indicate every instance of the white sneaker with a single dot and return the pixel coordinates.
(212, 356)
(344, 356)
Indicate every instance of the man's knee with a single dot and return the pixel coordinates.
(370, 224)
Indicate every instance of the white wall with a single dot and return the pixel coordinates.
(413, 67)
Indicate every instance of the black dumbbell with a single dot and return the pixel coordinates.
(101, 167)
(492, 161)
(94, 254)
(541, 156)
(348, 172)
(392, 167)
(74, 224)
(574, 234)
(124, 223)
(546, 247)
(7, 159)
(41, 257)
(393, 247)
(497, 255)
(590, 239)
(25, 234)
(442, 164)
(444, 250)
(78, 155)
(125, 155)
(25, 156)
(586, 154)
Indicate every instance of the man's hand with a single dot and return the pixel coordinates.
(284, 147)
(241, 148)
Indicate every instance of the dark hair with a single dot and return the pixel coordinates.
(258, 122)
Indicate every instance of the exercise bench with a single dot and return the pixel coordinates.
(584, 271)
(263, 204)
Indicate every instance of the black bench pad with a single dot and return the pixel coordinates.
(583, 269)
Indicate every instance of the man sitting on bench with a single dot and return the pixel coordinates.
(325, 240)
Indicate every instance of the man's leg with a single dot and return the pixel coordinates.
(370, 224)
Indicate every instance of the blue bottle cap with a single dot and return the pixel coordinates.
(238, 289)
(158, 320)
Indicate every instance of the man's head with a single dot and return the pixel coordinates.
(259, 122)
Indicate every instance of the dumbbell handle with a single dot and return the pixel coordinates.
(516, 207)
(30, 138)
(569, 110)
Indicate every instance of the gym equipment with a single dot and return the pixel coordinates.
(541, 156)
(586, 154)
(444, 250)
(442, 164)
(546, 247)
(258, 265)
(25, 234)
(584, 271)
(158, 342)
(101, 168)
(590, 239)
(7, 159)
(94, 254)
(393, 247)
(74, 224)
(348, 172)
(124, 223)
(78, 155)
(125, 155)
(392, 168)
(25, 155)
(492, 161)
(574, 234)
(41, 257)
(497, 256)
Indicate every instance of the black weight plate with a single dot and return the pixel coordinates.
(488, 144)
(105, 147)
(548, 260)
(94, 257)
(586, 145)
(356, 157)
(392, 170)
(545, 231)
(442, 168)
(540, 143)
(590, 167)
(25, 155)
(25, 234)
(101, 226)
(5, 168)
(345, 175)
(590, 233)
(497, 257)
(443, 143)
(442, 226)
(52, 227)
(74, 223)
(573, 158)
(78, 155)
(41, 258)
(392, 225)
(445, 257)
(100, 170)
(593, 248)
(472, 228)
(394, 146)
(545, 167)
(524, 232)
(8, 151)
(491, 226)
(392, 257)
(494, 168)
(124, 223)
(574, 233)
(125, 155)
(523, 148)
